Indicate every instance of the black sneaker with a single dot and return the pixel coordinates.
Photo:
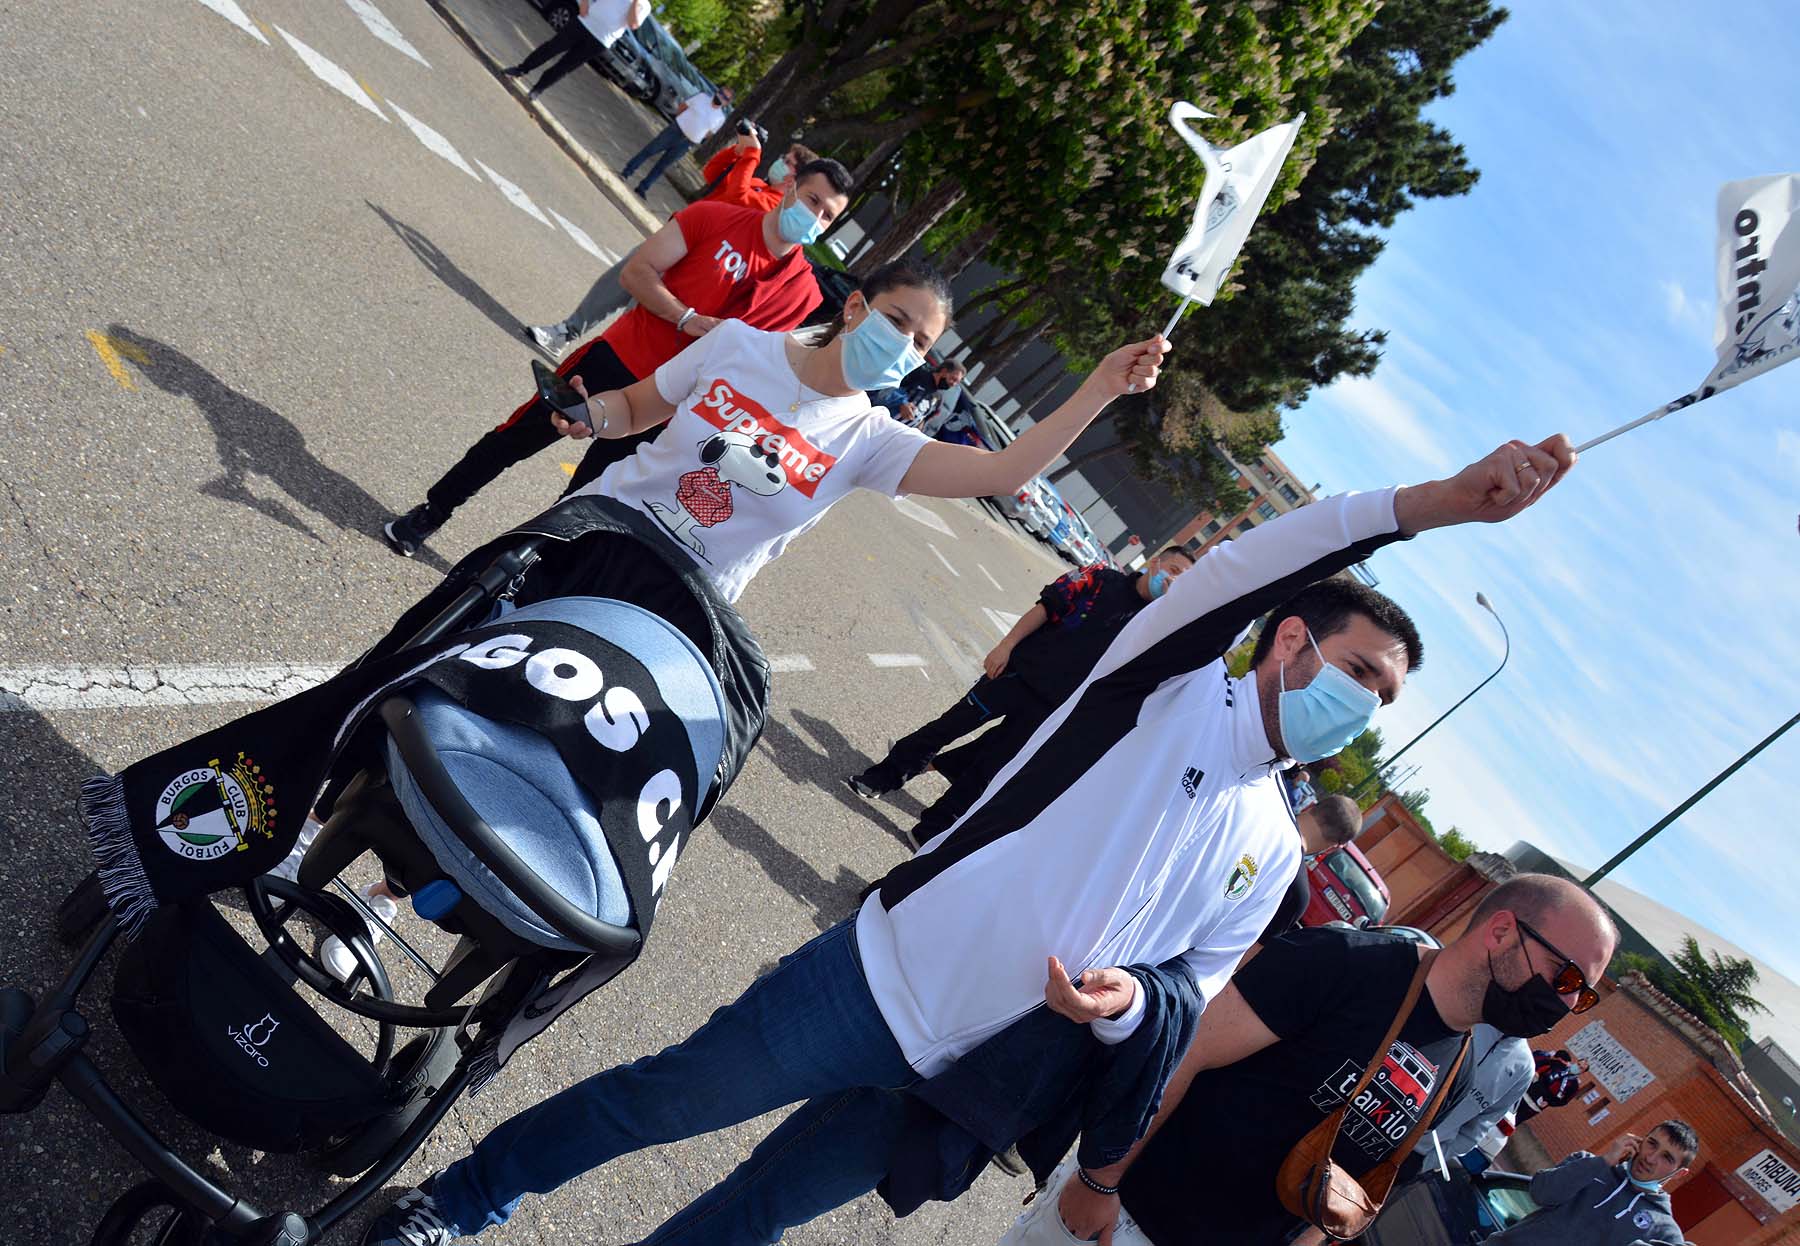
(514, 71)
(414, 1220)
(407, 532)
(862, 787)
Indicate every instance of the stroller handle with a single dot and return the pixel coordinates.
(436, 785)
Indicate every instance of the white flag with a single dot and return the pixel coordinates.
(1759, 279)
(1237, 182)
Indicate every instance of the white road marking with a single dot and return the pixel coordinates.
(581, 238)
(896, 659)
(518, 198)
(1001, 620)
(332, 76)
(143, 687)
(930, 518)
(940, 557)
(990, 577)
(384, 30)
(791, 662)
(434, 142)
(229, 10)
(926, 674)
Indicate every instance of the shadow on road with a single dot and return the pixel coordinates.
(823, 761)
(445, 270)
(830, 899)
(255, 438)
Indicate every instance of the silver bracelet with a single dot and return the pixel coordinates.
(686, 316)
(1094, 1185)
(605, 421)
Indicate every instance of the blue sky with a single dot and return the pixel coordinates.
(1654, 598)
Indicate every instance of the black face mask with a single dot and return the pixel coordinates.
(1525, 1011)
(942, 382)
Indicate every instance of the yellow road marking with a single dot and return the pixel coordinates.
(263, 26)
(567, 467)
(373, 94)
(110, 349)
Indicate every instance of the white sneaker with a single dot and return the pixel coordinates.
(338, 958)
(552, 339)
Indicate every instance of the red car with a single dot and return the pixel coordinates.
(1345, 888)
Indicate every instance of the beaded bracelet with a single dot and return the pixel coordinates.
(1094, 1185)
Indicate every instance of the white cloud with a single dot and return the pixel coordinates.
(1387, 413)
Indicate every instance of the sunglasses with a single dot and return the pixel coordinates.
(1568, 978)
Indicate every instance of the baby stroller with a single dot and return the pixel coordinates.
(481, 825)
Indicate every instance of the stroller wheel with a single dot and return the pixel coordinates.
(81, 910)
(415, 1071)
(137, 1208)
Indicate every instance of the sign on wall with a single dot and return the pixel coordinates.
(1773, 1178)
(1610, 1063)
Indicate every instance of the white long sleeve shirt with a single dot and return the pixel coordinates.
(1141, 822)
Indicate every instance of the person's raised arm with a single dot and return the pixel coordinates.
(1229, 1031)
(642, 279)
(616, 413)
(747, 154)
(942, 470)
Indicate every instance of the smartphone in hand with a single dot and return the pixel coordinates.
(560, 395)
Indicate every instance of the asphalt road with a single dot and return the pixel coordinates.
(248, 310)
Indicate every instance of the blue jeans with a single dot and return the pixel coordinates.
(809, 1029)
(671, 143)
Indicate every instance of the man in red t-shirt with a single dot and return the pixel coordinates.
(712, 262)
(732, 176)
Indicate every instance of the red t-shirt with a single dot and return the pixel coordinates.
(727, 272)
(740, 184)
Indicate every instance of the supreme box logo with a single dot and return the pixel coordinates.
(804, 463)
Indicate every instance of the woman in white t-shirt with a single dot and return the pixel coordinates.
(768, 430)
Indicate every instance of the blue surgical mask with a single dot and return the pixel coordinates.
(778, 169)
(1159, 584)
(877, 355)
(1321, 719)
(797, 223)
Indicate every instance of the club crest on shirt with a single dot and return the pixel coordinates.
(1242, 878)
(1643, 1219)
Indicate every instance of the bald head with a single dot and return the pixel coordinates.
(1564, 920)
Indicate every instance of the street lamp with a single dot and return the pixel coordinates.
(1375, 774)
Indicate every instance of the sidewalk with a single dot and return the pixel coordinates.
(598, 125)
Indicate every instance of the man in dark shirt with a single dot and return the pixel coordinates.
(1324, 825)
(925, 394)
(1558, 1078)
(1033, 669)
(1280, 1047)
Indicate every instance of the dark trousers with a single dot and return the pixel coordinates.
(528, 430)
(668, 147)
(987, 700)
(972, 766)
(574, 43)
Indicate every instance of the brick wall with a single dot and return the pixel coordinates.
(1679, 1055)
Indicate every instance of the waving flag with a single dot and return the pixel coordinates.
(1758, 325)
(1238, 180)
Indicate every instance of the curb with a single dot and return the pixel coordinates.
(610, 184)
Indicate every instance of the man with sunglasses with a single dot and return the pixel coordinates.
(1280, 1046)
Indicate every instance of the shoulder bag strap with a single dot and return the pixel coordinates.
(1381, 1178)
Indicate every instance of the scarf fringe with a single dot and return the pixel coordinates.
(122, 877)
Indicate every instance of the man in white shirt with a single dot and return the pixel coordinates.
(697, 118)
(598, 22)
(1142, 822)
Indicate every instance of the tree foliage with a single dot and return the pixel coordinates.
(1717, 989)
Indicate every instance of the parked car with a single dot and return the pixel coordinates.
(1345, 888)
(1467, 1208)
(1079, 544)
(647, 64)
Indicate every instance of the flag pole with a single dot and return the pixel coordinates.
(1176, 319)
(1665, 409)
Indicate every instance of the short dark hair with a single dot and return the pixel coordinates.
(1174, 549)
(1533, 897)
(830, 170)
(1682, 1135)
(1327, 608)
(900, 275)
(1339, 818)
(804, 155)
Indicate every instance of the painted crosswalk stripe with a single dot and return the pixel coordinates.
(990, 577)
(581, 238)
(229, 10)
(896, 659)
(1002, 621)
(791, 662)
(940, 557)
(518, 198)
(24, 688)
(332, 76)
(919, 514)
(384, 30)
(434, 142)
